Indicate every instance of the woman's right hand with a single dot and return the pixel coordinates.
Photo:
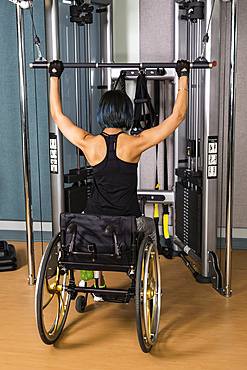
(56, 68)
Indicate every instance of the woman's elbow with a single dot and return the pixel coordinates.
(180, 116)
(54, 115)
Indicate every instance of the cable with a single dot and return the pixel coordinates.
(206, 37)
(210, 16)
(31, 14)
(36, 38)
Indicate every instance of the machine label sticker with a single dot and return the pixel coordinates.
(53, 153)
(212, 157)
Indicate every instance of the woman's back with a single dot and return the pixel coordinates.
(114, 190)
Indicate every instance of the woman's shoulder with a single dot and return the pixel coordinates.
(127, 148)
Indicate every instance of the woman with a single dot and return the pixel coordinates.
(114, 155)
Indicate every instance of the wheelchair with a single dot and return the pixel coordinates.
(98, 243)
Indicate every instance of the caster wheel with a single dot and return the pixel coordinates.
(80, 303)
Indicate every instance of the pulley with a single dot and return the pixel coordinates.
(81, 13)
(194, 10)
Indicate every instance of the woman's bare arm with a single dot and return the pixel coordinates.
(155, 135)
(73, 133)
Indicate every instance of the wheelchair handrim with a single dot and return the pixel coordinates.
(151, 314)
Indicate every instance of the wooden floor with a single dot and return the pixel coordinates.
(199, 328)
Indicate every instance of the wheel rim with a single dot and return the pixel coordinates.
(52, 298)
(151, 293)
(54, 304)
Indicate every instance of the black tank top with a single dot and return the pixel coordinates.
(114, 190)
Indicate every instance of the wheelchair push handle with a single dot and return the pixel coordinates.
(72, 229)
(111, 230)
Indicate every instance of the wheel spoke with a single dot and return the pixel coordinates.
(48, 302)
(153, 287)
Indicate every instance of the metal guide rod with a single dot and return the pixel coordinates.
(89, 79)
(193, 65)
(76, 88)
(189, 114)
(231, 122)
(25, 145)
(197, 96)
(57, 177)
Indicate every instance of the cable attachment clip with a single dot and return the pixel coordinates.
(204, 41)
(37, 43)
(36, 40)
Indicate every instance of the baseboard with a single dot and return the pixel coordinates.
(16, 231)
(239, 237)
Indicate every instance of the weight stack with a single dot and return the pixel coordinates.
(188, 200)
(76, 196)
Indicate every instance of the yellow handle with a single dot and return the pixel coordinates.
(156, 211)
(165, 226)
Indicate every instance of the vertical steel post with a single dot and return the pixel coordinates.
(210, 129)
(106, 42)
(25, 145)
(76, 87)
(198, 105)
(230, 156)
(175, 134)
(57, 177)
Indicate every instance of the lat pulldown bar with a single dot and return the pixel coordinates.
(193, 65)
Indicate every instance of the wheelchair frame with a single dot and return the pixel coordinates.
(56, 285)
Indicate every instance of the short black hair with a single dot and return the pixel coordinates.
(115, 110)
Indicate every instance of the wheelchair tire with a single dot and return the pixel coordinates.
(148, 294)
(51, 299)
(80, 303)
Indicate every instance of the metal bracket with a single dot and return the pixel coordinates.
(156, 196)
(24, 4)
(216, 274)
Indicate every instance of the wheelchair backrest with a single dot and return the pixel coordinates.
(98, 234)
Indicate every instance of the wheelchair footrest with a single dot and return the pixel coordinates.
(119, 298)
(116, 298)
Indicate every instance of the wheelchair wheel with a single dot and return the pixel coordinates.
(148, 294)
(51, 299)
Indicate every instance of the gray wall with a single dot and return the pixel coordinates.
(12, 205)
(156, 43)
(240, 171)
